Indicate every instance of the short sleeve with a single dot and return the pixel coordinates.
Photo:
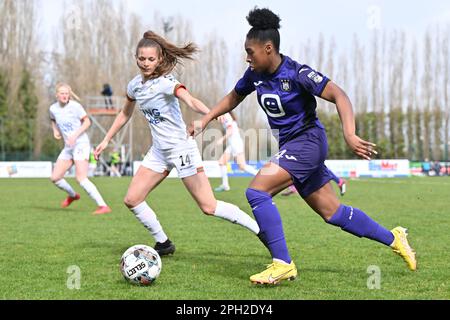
(51, 114)
(168, 85)
(245, 86)
(130, 91)
(311, 80)
(81, 113)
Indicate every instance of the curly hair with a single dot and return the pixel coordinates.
(265, 25)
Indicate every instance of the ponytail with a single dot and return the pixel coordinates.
(170, 54)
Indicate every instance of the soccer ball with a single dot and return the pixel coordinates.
(140, 264)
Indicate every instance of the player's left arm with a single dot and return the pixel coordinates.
(85, 124)
(333, 93)
(192, 102)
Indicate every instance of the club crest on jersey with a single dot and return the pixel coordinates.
(285, 85)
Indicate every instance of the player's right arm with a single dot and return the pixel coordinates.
(228, 103)
(122, 118)
(56, 132)
(243, 88)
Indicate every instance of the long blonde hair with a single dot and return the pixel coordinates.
(73, 95)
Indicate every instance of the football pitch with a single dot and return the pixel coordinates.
(42, 243)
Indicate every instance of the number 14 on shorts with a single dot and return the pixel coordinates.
(185, 159)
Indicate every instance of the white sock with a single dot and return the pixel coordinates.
(148, 218)
(92, 191)
(250, 169)
(65, 186)
(280, 261)
(224, 171)
(233, 214)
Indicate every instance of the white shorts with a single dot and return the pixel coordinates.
(185, 158)
(80, 151)
(235, 147)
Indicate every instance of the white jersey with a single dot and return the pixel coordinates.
(235, 135)
(157, 101)
(68, 119)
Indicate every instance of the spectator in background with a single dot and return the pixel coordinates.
(235, 149)
(437, 168)
(107, 93)
(92, 164)
(116, 162)
(426, 167)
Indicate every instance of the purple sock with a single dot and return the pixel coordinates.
(356, 222)
(269, 221)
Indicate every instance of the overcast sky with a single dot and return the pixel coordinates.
(300, 19)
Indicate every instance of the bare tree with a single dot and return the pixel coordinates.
(320, 52)
(306, 53)
(329, 70)
(88, 55)
(381, 107)
(99, 48)
(375, 87)
(437, 114)
(412, 131)
(426, 92)
(343, 79)
(18, 43)
(395, 112)
(20, 62)
(446, 87)
(360, 90)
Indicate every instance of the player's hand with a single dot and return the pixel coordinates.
(196, 127)
(102, 146)
(71, 140)
(363, 149)
(57, 135)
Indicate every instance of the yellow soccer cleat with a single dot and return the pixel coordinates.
(275, 273)
(402, 247)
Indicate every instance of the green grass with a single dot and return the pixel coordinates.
(214, 258)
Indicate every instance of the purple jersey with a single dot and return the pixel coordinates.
(286, 96)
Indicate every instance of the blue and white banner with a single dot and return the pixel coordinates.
(384, 168)
(31, 169)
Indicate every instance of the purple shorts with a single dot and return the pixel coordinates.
(304, 158)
